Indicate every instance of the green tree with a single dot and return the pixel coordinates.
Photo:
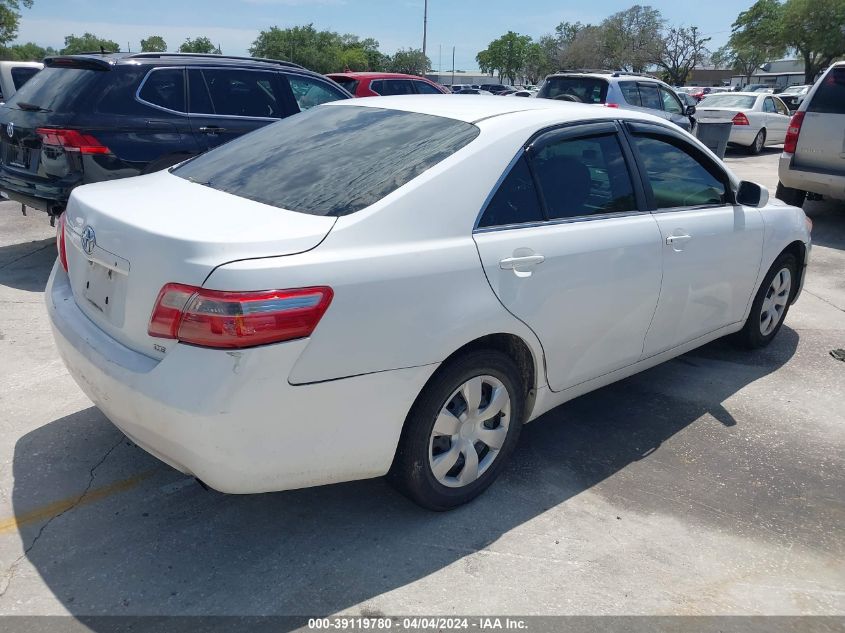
(506, 55)
(153, 44)
(816, 30)
(10, 17)
(682, 49)
(198, 45)
(632, 38)
(318, 50)
(581, 46)
(88, 43)
(411, 61)
(756, 37)
(368, 47)
(29, 52)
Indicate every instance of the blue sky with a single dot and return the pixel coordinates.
(466, 24)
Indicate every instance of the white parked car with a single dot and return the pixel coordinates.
(397, 284)
(759, 119)
(13, 75)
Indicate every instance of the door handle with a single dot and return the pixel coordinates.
(677, 239)
(212, 129)
(520, 263)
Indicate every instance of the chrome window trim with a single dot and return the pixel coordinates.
(571, 220)
(158, 107)
(693, 207)
(228, 116)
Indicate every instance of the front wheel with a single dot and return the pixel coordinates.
(460, 431)
(770, 304)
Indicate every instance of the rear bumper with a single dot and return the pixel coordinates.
(825, 184)
(743, 135)
(231, 418)
(34, 193)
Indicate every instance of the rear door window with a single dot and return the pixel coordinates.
(165, 88)
(329, 161)
(515, 201)
(781, 107)
(769, 105)
(388, 87)
(310, 92)
(630, 92)
(234, 92)
(584, 176)
(649, 96)
(830, 94)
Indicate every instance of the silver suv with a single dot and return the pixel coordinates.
(813, 159)
(619, 90)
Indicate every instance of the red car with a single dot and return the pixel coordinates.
(383, 84)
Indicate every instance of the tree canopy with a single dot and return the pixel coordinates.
(10, 17)
(198, 45)
(88, 43)
(153, 44)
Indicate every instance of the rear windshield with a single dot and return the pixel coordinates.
(347, 82)
(728, 101)
(830, 95)
(56, 89)
(581, 89)
(330, 160)
(22, 74)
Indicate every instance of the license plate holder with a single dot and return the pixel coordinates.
(18, 156)
(100, 287)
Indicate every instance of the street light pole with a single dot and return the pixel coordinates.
(425, 25)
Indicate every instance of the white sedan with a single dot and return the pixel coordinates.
(759, 119)
(397, 284)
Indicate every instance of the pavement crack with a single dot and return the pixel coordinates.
(9, 575)
(830, 303)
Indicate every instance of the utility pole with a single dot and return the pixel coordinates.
(425, 25)
(453, 65)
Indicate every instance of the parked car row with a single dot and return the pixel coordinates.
(759, 119)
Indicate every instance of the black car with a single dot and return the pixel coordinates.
(94, 117)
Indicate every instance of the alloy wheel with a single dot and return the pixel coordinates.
(469, 431)
(777, 298)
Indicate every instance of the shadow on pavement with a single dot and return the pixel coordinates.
(828, 218)
(159, 544)
(27, 265)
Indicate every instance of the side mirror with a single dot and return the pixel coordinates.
(750, 194)
(689, 111)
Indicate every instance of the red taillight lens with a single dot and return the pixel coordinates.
(792, 133)
(60, 241)
(740, 119)
(72, 141)
(213, 318)
(611, 105)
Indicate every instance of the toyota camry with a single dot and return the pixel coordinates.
(396, 285)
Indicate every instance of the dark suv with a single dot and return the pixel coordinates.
(88, 118)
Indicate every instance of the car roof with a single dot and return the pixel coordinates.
(174, 59)
(486, 107)
(374, 75)
(740, 94)
(610, 74)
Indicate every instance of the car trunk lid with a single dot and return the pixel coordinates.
(127, 239)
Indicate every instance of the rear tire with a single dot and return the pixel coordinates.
(433, 465)
(759, 143)
(794, 197)
(771, 304)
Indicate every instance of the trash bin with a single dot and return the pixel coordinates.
(714, 134)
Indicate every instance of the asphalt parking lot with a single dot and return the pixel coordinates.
(712, 484)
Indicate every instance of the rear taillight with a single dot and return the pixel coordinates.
(213, 318)
(611, 105)
(740, 119)
(792, 133)
(72, 141)
(60, 241)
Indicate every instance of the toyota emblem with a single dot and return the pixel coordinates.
(89, 240)
(10, 130)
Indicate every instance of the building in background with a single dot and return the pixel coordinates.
(778, 74)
